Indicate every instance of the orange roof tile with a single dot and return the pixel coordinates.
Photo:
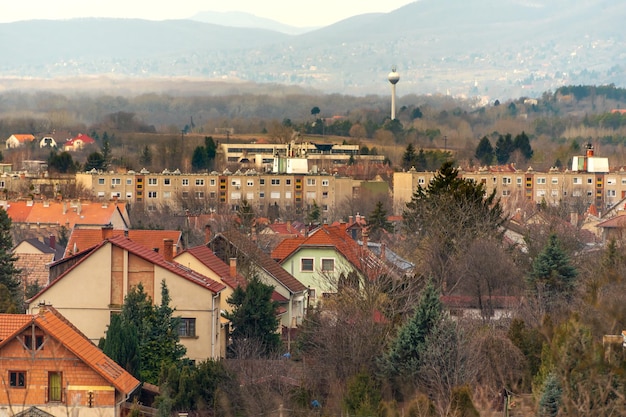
(58, 327)
(63, 213)
(18, 211)
(286, 247)
(215, 264)
(81, 239)
(22, 138)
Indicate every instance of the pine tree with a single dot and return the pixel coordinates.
(552, 272)
(315, 214)
(146, 156)
(408, 159)
(484, 151)
(378, 222)
(121, 343)
(199, 159)
(211, 151)
(9, 274)
(522, 143)
(246, 216)
(253, 319)
(550, 401)
(504, 147)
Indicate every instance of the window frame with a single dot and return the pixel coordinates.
(15, 380)
(323, 269)
(187, 328)
(312, 263)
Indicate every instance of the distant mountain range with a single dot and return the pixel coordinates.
(489, 48)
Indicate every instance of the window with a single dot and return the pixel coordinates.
(541, 193)
(578, 180)
(262, 194)
(610, 193)
(249, 196)
(236, 183)
(101, 181)
(199, 181)
(518, 180)
(324, 194)
(17, 379)
(235, 195)
(55, 393)
(541, 180)
(310, 195)
(623, 181)
(167, 194)
(199, 194)
(310, 181)
(185, 182)
(324, 183)
(212, 182)
(116, 194)
(589, 180)
(288, 181)
(152, 194)
(421, 180)
(167, 181)
(250, 183)
(306, 265)
(129, 196)
(287, 194)
(28, 341)
(611, 181)
(185, 194)
(555, 180)
(187, 327)
(262, 181)
(506, 193)
(3, 184)
(328, 265)
(506, 180)
(554, 193)
(275, 194)
(101, 194)
(153, 181)
(325, 207)
(129, 181)
(275, 181)
(116, 181)
(151, 207)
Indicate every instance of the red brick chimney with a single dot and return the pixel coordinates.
(233, 267)
(168, 250)
(107, 232)
(364, 238)
(52, 241)
(382, 251)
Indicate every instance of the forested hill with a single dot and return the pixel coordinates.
(500, 49)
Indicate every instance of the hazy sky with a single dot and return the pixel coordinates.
(293, 12)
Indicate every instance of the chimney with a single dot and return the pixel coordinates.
(207, 233)
(64, 207)
(52, 241)
(364, 236)
(289, 226)
(573, 218)
(107, 231)
(233, 267)
(79, 207)
(589, 149)
(168, 250)
(350, 219)
(382, 251)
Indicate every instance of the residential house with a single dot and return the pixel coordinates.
(613, 229)
(50, 368)
(253, 261)
(202, 260)
(78, 142)
(47, 142)
(326, 259)
(34, 256)
(17, 140)
(81, 239)
(104, 275)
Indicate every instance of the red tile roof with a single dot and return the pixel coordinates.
(617, 222)
(85, 138)
(55, 325)
(215, 264)
(34, 267)
(287, 247)
(63, 213)
(81, 239)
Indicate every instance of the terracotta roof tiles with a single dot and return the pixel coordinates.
(208, 259)
(85, 238)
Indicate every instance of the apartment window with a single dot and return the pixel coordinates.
(623, 181)
(116, 181)
(610, 193)
(187, 327)
(17, 379)
(235, 195)
(262, 194)
(589, 193)
(541, 180)
(262, 181)
(212, 182)
(324, 194)
(101, 181)
(506, 193)
(577, 193)
(578, 180)
(518, 180)
(116, 194)
(275, 181)
(421, 180)
(55, 384)
(541, 193)
(152, 207)
(199, 181)
(101, 194)
(306, 264)
(250, 183)
(129, 196)
(611, 181)
(28, 341)
(555, 180)
(167, 181)
(212, 194)
(236, 183)
(275, 195)
(185, 194)
(153, 181)
(325, 207)
(324, 183)
(554, 193)
(589, 180)
(129, 181)
(199, 194)
(287, 194)
(328, 265)
(506, 180)
(310, 195)
(167, 194)
(185, 182)
(310, 181)
(152, 194)
(249, 196)
(288, 182)
(3, 184)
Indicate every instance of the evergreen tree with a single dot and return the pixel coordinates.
(484, 151)
(9, 274)
(522, 143)
(145, 158)
(106, 153)
(199, 159)
(378, 222)
(246, 216)
(121, 343)
(95, 160)
(62, 162)
(408, 159)
(404, 357)
(504, 147)
(253, 319)
(552, 273)
(211, 151)
(315, 214)
(550, 401)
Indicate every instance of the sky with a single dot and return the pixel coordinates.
(292, 12)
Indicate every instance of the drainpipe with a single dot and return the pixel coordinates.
(213, 325)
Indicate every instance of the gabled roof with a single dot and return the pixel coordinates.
(44, 247)
(287, 247)
(248, 249)
(215, 264)
(146, 254)
(64, 213)
(85, 238)
(33, 412)
(23, 138)
(617, 222)
(58, 327)
(85, 138)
